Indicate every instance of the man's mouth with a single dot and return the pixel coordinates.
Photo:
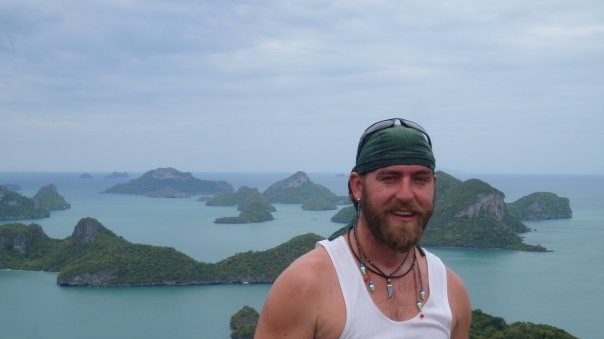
(404, 213)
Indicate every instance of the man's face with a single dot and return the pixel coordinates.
(397, 203)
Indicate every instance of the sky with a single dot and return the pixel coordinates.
(502, 87)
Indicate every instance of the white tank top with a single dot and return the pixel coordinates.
(365, 320)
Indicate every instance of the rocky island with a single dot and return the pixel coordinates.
(48, 198)
(299, 189)
(169, 183)
(14, 206)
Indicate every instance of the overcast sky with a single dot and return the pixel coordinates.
(247, 86)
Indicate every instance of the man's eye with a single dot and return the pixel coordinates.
(422, 178)
(388, 178)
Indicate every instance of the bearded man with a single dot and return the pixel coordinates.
(372, 279)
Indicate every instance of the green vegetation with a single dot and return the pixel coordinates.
(14, 206)
(345, 215)
(540, 206)
(48, 198)
(243, 323)
(232, 198)
(486, 326)
(95, 256)
(318, 204)
(296, 189)
(253, 208)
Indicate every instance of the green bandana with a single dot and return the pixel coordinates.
(397, 145)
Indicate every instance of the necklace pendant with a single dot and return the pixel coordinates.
(390, 289)
(371, 286)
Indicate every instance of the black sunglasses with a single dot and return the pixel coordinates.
(380, 125)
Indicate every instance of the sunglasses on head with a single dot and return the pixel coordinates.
(380, 125)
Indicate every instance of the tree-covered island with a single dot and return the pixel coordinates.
(14, 206)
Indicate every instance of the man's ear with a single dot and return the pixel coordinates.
(355, 186)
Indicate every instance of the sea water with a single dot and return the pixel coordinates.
(562, 288)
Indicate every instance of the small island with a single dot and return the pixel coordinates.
(14, 206)
(118, 175)
(48, 198)
(299, 189)
(169, 183)
(254, 208)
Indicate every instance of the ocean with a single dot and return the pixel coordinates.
(563, 288)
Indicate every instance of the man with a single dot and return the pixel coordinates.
(372, 279)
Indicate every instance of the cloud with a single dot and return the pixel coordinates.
(309, 74)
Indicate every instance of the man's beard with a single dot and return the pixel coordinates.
(396, 236)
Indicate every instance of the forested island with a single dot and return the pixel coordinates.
(14, 206)
(257, 207)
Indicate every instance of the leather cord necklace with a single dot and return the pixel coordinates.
(376, 270)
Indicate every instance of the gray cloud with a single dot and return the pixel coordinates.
(504, 86)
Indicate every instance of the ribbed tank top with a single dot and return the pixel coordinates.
(365, 320)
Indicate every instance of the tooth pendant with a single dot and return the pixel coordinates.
(389, 289)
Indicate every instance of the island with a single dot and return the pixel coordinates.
(117, 175)
(484, 326)
(86, 176)
(299, 189)
(541, 206)
(169, 183)
(14, 206)
(296, 189)
(95, 256)
(473, 214)
(49, 198)
(243, 323)
(254, 208)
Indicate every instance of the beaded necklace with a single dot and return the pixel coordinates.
(421, 292)
(379, 272)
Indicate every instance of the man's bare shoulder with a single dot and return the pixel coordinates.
(300, 299)
(308, 272)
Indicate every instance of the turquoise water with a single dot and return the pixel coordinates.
(562, 288)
